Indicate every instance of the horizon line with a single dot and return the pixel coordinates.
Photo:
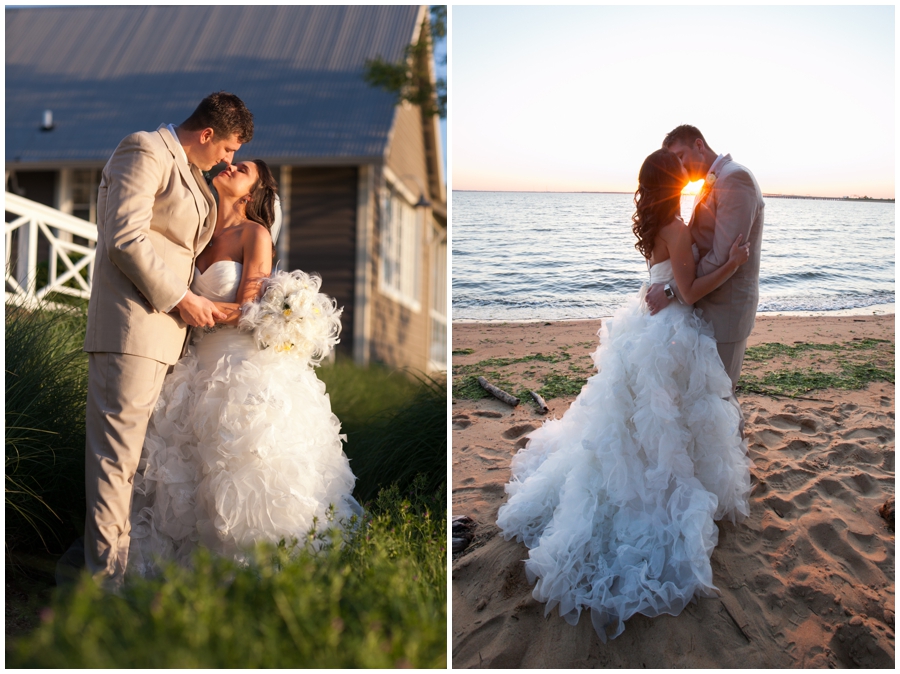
(770, 195)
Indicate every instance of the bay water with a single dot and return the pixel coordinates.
(520, 256)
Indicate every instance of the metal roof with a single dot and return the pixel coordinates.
(106, 72)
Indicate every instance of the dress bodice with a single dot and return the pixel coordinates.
(662, 272)
(219, 282)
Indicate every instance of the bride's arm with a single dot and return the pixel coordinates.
(691, 288)
(257, 266)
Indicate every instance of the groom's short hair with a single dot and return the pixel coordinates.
(225, 114)
(684, 134)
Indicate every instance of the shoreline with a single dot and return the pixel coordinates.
(871, 310)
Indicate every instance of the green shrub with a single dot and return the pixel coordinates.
(46, 390)
(378, 600)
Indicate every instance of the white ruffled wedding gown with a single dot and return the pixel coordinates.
(617, 499)
(242, 447)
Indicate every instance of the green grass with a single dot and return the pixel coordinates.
(504, 362)
(377, 600)
(561, 385)
(465, 377)
(856, 364)
(400, 444)
(793, 383)
(850, 365)
(46, 389)
(358, 394)
(764, 352)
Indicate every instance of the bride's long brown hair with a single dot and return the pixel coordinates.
(261, 208)
(658, 197)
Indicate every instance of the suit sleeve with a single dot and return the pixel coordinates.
(736, 206)
(135, 175)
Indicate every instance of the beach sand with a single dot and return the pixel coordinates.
(806, 581)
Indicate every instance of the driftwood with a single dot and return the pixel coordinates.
(462, 532)
(542, 405)
(498, 393)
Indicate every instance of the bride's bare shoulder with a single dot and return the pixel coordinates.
(253, 232)
(673, 229)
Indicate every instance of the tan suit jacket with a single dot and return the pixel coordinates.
(734, 205)
(155, 213)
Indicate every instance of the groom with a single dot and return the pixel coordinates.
(729, 204)
(155, 214)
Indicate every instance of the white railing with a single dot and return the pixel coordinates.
(31, 220)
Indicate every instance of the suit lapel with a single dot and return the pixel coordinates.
(697, 203)
(188, 177)
(207, 227)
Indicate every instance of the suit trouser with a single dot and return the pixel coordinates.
(732, 355)
(122, 392)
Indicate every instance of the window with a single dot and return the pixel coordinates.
(84, 193)
(438, 314)
(400, 250)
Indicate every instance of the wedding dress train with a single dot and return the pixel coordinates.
(242, 447)
(617, 500)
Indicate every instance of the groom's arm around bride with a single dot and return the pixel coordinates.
(155, 213)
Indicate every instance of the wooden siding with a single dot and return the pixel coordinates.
(407, 156)
(400, 336)
(323, 235)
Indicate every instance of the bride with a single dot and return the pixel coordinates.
(242, 446)
(617, 500)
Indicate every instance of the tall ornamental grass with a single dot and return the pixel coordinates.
(46, 390)
(376, 600)
(399, 445)
(360, 393)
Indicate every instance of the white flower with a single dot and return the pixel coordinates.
(710, 179)
(293, 317)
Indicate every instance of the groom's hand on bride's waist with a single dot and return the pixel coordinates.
(199, 312)
(656, 298)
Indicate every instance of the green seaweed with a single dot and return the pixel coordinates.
(763, 352)
(471, 368)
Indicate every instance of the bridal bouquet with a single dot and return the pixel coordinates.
(293, 317)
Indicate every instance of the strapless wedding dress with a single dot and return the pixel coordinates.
(242, 447)
(617, 500)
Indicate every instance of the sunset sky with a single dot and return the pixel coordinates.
(574, 98)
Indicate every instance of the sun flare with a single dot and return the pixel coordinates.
(693, 188)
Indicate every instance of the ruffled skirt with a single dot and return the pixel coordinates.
(242, 447)
(617, 500)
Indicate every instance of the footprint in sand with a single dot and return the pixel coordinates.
(521, 442)
(862, 483)
(489, 414)
(798, 445)
(830, 538)
(791, 479)
(856, 644)
(779, 506)
(791, 422)
(852, 453)
(461, 421)
(516, 431)
(879, 433)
